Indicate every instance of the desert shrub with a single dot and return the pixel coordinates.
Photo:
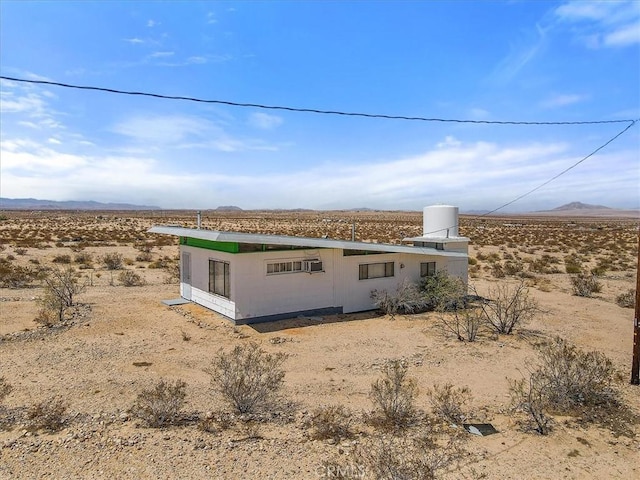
(464, 324)
(528, 396)
(393, 397)
(113, 261)
(585, 284)
(20, 251)
(513, 267)
(129, 278)
(333, 421)
(248, 378)
(61, 286)
(574, 377)
(627, 299)
(47, 415)
(449, 402)
(497, 270)
(420, 457)
(83, 258)
(66, 259)
(5, 389)
(572, 264)
(566, 380)
(160, 405)
(144, 257)
(442, 291)
(15, 276)
(508, 307)
(406, 299)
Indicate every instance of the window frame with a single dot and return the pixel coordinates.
(364, 270)
(223, 290)
(430, 267)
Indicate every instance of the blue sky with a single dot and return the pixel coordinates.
(511, 60)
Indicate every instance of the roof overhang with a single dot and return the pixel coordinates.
(258, 238)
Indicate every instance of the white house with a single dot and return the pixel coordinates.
(254, 278)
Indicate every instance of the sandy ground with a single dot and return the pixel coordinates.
(125, 340)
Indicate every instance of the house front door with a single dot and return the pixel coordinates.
(185, 275)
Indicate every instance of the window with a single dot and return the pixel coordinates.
(284, 267)
(376, 270)
(427, 269)
(294, 266)
(219, 278)
(436, 245)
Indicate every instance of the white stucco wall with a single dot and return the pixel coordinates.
(256, 294)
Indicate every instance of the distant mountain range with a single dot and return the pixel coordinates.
(579, 209)
(576, 209)
(35, 204)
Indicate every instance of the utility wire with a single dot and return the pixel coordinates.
(304, 110)
(611, 140)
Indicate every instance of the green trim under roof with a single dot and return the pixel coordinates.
(229, 247)
(236, 247)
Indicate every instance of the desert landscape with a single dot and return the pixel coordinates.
(72, 390)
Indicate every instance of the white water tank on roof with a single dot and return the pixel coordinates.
(440, 221)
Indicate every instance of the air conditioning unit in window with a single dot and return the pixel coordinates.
(313, 266)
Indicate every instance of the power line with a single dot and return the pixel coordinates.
(520, 197)
(304, 110)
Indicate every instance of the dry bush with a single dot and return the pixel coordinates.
(144, 257)
(20, 251)
(567, 380)
(113, 261)
(450, 403)
(627, 299)
(248, 378)
(333, 421)
(464, 324)
(161, 405)
(129, 278)
(572, 264)
(442, 291)
(61, 286)
(509, 308)
(15, 276)
(393, 397)
(47, 415)
(5, 389)
(421, 457)
(585, 284)
(83, 258)
(66, 259)
(528, 395)
(406, 299)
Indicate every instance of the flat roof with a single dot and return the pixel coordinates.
(258, 238)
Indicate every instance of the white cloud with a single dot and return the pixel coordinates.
(134, 40)
(264, 120)
(624, 36)
(152, 23)
(562, 100)
(211, 18)
(521, 54)
(472, 175)
(161, 54)
(603, 23)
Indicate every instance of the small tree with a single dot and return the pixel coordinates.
(61, 286)
(393, 396)
(248, 378)
(509, 308)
